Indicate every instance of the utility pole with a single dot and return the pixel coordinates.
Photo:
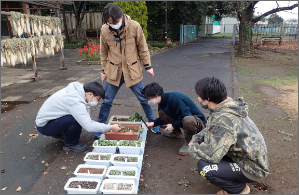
(165, 23)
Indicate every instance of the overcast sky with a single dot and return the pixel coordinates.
(264, 6)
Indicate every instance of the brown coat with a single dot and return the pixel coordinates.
(134, 49)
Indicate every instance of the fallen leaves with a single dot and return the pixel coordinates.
(32, 136)
(4, 188)
(47, 164)
(149, 165)
(287, 45)
(2, 171)
(18, 189)
(45, 173)
(63, 167)
(146, 155)
(43, 161)
(20, 133)
(23, 157)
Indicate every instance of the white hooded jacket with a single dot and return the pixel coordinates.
(70, 100)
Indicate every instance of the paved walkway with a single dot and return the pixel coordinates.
(17, 87)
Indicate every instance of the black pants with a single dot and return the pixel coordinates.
(226, 174)
(66, 124)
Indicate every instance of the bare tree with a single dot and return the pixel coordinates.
(78, 16)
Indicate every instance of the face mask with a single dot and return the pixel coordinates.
(204, 106)
(94, 103)
(151, 102)
(116, 26)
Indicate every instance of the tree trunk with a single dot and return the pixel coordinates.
(245, 32)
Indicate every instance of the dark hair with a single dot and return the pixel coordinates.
(212, 89)
(113, 11)
(151, 90)
(96, 88)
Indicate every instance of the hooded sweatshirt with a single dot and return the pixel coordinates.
(70, 100)
(229, 131)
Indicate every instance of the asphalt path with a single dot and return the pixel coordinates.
(180, 68)
(177, 70)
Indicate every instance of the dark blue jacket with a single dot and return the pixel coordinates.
(177, 105)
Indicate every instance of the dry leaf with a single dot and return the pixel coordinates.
(23, 157)
(44, 173)
(20, 133)
(2, 171)
(47, 164)
(4, 188)
(141, 179)
(43, 161)
(141, 175)
(64, 167)
(33, 135)
(146, 155)
(18, 189)
(149, 165)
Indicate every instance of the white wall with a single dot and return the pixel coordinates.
(228, 23)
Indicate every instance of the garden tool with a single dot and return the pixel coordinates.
(140, 117)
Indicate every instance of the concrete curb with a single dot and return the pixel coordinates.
(236, 86)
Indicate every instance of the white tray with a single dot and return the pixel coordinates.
(121, 169)
(82, 191)
(106, 149)
(106, 163)
(126, 164)
(117, 191)
(86, 175)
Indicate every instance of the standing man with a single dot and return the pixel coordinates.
(231, 150)
(176, 111)
(64, 113)
(123, 46)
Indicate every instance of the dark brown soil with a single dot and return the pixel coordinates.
(83, 184)
(91, 170)
(119, 119)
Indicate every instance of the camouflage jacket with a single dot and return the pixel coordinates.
(229, 131)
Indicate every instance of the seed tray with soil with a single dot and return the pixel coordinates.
(94, 158)
(127, 132)
(125, 120)
(129, 160)
(116, 186)
(91, 171)
(117, 172)
(82, 185)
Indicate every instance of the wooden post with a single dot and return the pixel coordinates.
(35, 78)
(62, 60)
(8, 22)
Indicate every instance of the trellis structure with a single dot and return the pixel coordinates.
(33, 45)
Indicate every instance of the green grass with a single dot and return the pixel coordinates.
(160, 44)
(223, 35)
(276, 81)
(74, 44)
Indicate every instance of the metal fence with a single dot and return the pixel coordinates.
(188, 32)
(287, 32)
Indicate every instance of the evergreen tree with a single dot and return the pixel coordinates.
(137, 10)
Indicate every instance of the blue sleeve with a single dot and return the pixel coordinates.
(181, 110)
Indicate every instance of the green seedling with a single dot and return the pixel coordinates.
(129, 173)
(114, 172)
(106, 157)
(184, 182)
(120, 158)
(93, 157)
(288, 136)
(132, 159)
(195, 170)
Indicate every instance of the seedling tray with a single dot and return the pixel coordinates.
(123, 122)
(82, 191)
(126, 164)
(115, 191)
(122, 175)
(91, 175)
(106, 163)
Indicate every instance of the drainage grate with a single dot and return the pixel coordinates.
(259, 186)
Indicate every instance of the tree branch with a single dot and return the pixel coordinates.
(274, 11)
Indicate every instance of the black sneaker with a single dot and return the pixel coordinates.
(76, 148)
(61, 137)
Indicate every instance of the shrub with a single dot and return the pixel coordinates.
(137, 10)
